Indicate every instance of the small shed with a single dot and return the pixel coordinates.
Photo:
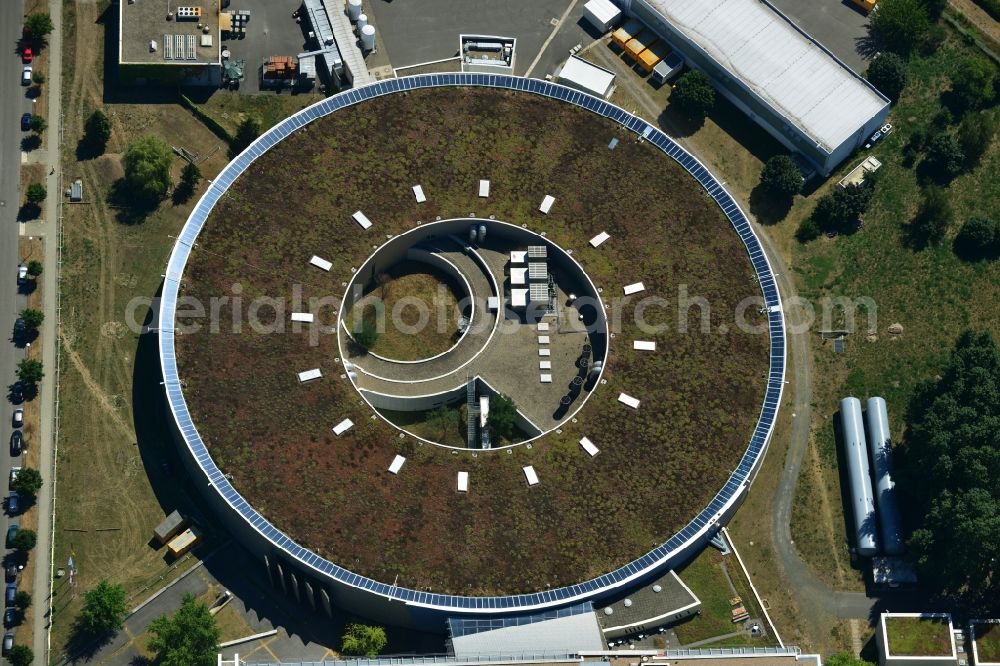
(669, 67)
(169, 527)
(183, 542)
(587, 77)
(76, 190)
(602, 14)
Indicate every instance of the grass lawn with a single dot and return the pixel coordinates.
(931, 292)
(404, 525)
(988, 642)
(706, 575)
(402, 295)
(916, 636)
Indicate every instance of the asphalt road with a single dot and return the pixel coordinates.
(13, 103)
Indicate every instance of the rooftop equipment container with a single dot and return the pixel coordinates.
(862, 498)
(622, 35)
(880, 444)
(668, 67)
(368, 38)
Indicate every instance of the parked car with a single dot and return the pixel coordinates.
(18, 418)
(9, 618)
(17, 392)
(13, 503)
(16, 443)
(26, 76)
(25, 122)
(22, 273)
(11, 593)
(8, 642)
(10, 573)
(14, 471)
(27, 55)
(11, 533)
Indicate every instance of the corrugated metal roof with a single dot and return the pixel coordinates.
(783, 66)
(568, 634)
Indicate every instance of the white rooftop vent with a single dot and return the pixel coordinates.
(644, 345)
(361, 219)
(484, 188)
(302, 316)
(627, 603)
(463, 482)
(397, 464)
(342, 427)
(589, 447)
(530, 476)
(599, 238)
(321, 263)
(626, 399)
(657, 588)
(609, 610)
(309, 375)
(547, 203)
(418, 194)
(634, 288)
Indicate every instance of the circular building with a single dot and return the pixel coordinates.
(469, 345)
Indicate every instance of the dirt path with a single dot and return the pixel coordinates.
(983, 22)
(95, 389)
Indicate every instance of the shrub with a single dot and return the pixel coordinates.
(24, 540)
(36, 193)
(694, 94)
(808, 230)
(28, 482)
(888, 73)
(363, 639)
(933, 218)
(366, 333)
(944, 158)
(34, 268)
(979, 238)
(38, 78)
(38, 25)
(38, 124)
(147, 168)
(781, 177)
(21, 655)
(900, 25)
(975, 135)
(935, 8)
(32, 318)
(973, 82)
(840, 210)
(191, 174)
(502, 416)
(30, 371)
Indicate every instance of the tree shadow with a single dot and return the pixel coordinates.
(767, 208)
(677, 123)
(129, 208)
(87, 148)
(31, 142)
(28, 212)
(182, 194)
(867, 45)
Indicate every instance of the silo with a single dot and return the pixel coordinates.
(482, 234)
(880, 444)
(368, 38)
(856, 455)
(362, 22)
(353, 9)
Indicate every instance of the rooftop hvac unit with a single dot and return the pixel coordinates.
(188, 13)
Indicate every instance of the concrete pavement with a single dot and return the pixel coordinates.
(49, 228)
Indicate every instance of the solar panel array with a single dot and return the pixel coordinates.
(658, 559)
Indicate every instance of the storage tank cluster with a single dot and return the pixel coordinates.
(366, 31)
(863, 498)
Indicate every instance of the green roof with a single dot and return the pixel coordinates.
(918, 636)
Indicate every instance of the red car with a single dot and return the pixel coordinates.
(27, 55)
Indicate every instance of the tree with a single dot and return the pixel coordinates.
(363, 639)
(30, 371)
(34, 268)
(32, 318)
(443, 420)
(933, 218)
(900, 25)
(27, 483)
(950, 478)
(38, 25)
(103, 611)
(191, 175)
(21, 655)
(147, 168)
(189, 637)
(38, 78)
(36, 193)
(975, 135)
(38, 124)
(808, 230)
(97, 130)
(366, 333)
(979, 238)
(973, 81)
(694, 95)
(888, 73)
(502, 416)
(781, 177)
(22, 601)
(246, 133)
(935, 8)
(840, 210)
(944, 159)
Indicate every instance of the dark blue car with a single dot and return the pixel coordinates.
(26, 122)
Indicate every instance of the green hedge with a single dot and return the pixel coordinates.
(209, 121)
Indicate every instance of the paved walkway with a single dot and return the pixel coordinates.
(49, 335)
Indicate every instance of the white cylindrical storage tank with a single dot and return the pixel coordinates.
(368, 38)
(362, 22)
(595, 369)
(353, 9)
(472, 233)
(856, 455)
(880, 446)
(482, 234)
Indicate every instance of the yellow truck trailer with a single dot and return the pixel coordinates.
(652, 56)
(622, 35)
(640, 43)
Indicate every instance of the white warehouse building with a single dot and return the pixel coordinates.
(788, 83)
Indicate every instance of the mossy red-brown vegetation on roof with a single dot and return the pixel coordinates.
(659, 465)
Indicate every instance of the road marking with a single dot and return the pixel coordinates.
(545, 44)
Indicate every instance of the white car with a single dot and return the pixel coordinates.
(14, 471)
(26, 76)
(18, 417)
(22, 273)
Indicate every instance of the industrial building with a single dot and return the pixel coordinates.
(182, 43)
(862, 498)
(759, 60)
(588, 77)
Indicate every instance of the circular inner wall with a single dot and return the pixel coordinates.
(533, 331)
